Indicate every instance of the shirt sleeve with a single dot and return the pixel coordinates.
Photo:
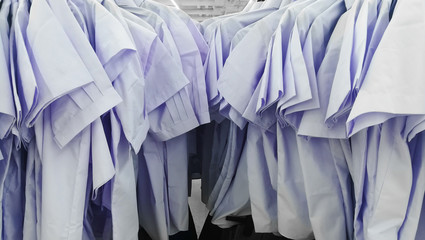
(173, 118)
(83, 91)
(394, 83)
(243, 69)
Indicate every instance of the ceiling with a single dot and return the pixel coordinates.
(204, 9)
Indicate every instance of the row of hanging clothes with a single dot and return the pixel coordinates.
(306, 115)
(318, 109)
(96, 98)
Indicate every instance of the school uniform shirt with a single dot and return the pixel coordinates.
(54, 222)
(321, 189)
(381, 110)
(296, 60)
(292, 209)
(220, 50)
(388, 164)
(190, 57)
(7, 105)
(87, 104)
(253, 62)
(236, 196)
(152, 190)
(176, 151)
(180, 198)
(287, 50)
(350, 63)
(379, 113)
(261, 154)
(321, 48)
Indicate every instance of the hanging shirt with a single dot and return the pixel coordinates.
(153, 210)
(374, 20)
(350, 63)
(71, 104)
(87, 104)
(292, 209)
(221, 39)
(383, 109)
(228, 197)
(179, 195)
(231, 170)
(132, 120)
(58, 221)
(252, 61)
(297, 62)
(295, 79)
(314, 52)
(313, 122)
(378, 112)
(261, 147)
(322, 184)
(220, 50)
(387, 162)
(176, 150)
(7, 105)
(22, 76)
(190, 57)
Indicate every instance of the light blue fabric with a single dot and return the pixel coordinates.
(350, 63)
(296, 60)
(7, 105)
(388, 165)
(378, 112)
(192, 25)
(219, 36)
(30, 214)
(160, 27)
(87, 103)
(292, 210)
(365, 114)
(411, 222)
(219, 52)
(221, 201)
(91, 101)
(153, 210)
(245, 65)
(168, 126)
(13, 196)
(58, 221)
(261, 148)
(315, 154)
(190, 57)
(296, 81)
(324, 54)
